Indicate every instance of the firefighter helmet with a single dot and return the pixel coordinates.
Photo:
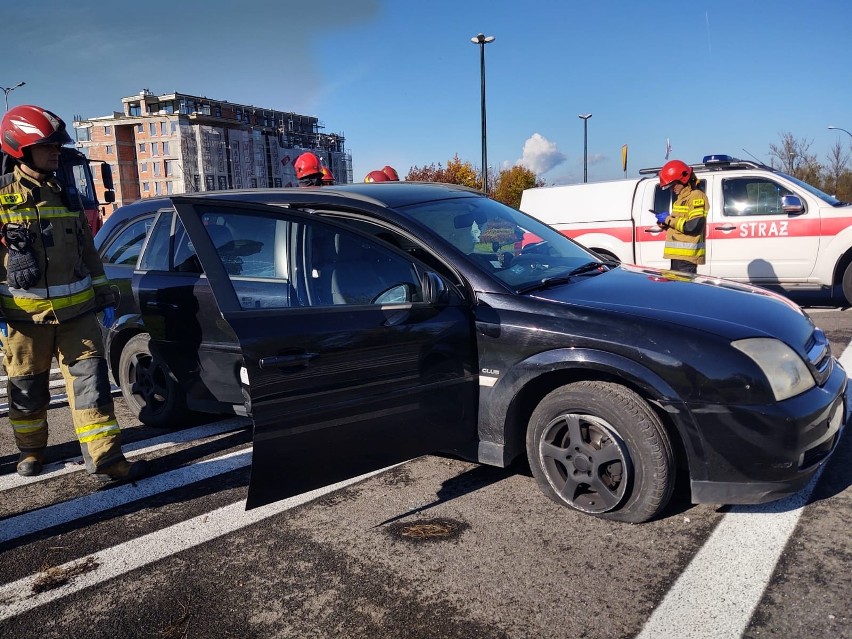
(327, 176)
(393, 176)
(674, 171)
(27, 125)
(306, 165)
(377, 176)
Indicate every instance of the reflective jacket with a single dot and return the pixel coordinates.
(72, 280)
(685, 233)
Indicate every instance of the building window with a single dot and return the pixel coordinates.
(141, 146)
(107, 130)
(134, 109)
(218, 111)
(174, 127)
(170, 187)
(146, 186)
(143, 167)
(163, 126)
(157, 189)
(140, 128)
(165, 148)
(170, 167)
(155, 150)
(152, 128)
(109, 149)
(156, 169)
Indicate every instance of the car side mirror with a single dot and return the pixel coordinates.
(434, 289)
(792, 204)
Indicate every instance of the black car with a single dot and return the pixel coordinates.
(367, 324)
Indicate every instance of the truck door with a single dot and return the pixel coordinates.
(750, 238)
(345, 370)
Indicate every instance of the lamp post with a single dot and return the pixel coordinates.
(792, 156)
(585, 119)
(837, 128)
(482, 40)
(8, 90)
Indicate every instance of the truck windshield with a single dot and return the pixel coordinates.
(81, 177)
(828, 199)
(517, 249)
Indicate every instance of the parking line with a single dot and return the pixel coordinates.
(136, 449)
(18, 597)
(717, 594)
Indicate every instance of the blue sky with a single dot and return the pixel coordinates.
(401, 79)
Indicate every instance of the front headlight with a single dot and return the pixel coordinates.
(785, 371)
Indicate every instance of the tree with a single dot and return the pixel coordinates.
(793, 156)
(838, 160)
(510, 183)
(457, 172)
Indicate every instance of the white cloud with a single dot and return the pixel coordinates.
(540, 154)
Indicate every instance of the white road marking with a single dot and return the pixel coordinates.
(717, 594)
(136, 449)
(18, 597)
(103, 500)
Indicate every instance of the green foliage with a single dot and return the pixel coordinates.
(510, 184)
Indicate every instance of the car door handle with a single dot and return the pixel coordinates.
(163, 306)
(284, 361)
(654, 230)
(726, 227)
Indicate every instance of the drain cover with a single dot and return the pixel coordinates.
(428, 529)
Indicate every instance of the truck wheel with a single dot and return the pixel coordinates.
(151, 392)
(847, 284)
(599, 448)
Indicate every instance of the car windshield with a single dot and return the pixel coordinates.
(517, 249)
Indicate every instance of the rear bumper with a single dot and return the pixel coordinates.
(756, 454)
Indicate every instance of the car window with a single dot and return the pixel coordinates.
(157, 250)
(126, 246)
(752, 196)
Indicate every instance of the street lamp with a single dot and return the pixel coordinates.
(585, 119)
(482, 40)
(8, 90)
(837, 128)
(792, 156)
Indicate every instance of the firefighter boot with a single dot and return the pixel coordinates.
(122, 470)
(30, 463)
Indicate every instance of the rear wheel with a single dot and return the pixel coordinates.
(846, 284)
(151, 392)
(599, 448)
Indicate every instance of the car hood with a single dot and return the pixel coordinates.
(727, 308)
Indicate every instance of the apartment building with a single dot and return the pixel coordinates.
(180, 143)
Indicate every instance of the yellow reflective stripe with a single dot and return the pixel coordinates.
(695, 213)
(687, 252)
(680, 209)
(29, 215)
(57, 290)
(90, 432)
(25, 426)
(100, 280)
(42, 305)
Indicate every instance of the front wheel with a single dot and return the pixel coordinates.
(600, 449)
(846, 284)
(151, 392)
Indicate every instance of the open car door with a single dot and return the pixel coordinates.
(345, 369)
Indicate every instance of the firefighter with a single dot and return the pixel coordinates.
(376, 176)
(327, 176)
(685, 226)
(393, 176)
(51, 285)
(308, 169)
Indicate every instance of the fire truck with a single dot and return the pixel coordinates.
(764, 226)
(76, 175)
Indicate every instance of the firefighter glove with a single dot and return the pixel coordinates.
(108, 317)
(22, 268)
(661, 218)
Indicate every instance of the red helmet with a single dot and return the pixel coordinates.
(377, 176)
(327, 176)
(27, 125)
(306, 165)
(393, 176)
(674, 171)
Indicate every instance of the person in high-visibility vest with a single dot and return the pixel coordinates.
(52, 284)
(685, 245)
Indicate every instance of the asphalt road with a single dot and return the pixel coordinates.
(436, 547)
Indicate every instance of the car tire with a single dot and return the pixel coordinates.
(151, 392)
(599, 448)
(846, 284)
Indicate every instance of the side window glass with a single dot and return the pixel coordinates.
(156, 253)
(752, 196)
(125, 248)
(347, 268)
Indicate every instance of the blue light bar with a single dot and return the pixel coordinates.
(717, 159)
